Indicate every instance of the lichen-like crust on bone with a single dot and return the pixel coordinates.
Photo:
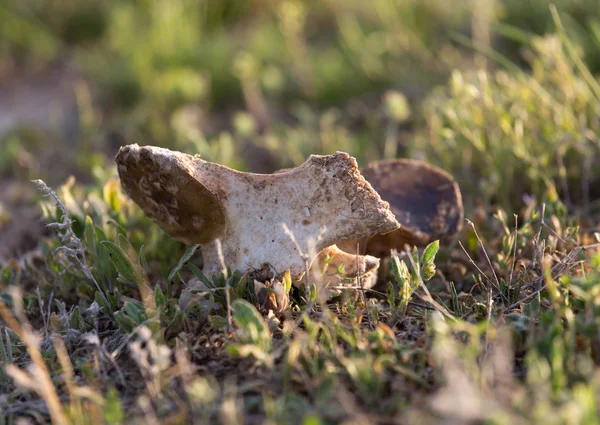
(322, 202)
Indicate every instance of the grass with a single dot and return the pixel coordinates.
(107, 320)
(518, 129)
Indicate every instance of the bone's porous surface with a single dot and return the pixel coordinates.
(322, 202)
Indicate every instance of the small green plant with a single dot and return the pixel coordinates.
(423, 269)
(253, 334)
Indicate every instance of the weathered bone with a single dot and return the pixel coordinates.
(425, 200)
(322, 202)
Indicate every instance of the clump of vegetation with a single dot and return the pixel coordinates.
(126, 318)
(508, 133)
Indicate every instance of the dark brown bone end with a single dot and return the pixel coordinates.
(162, 183)
(425, 200)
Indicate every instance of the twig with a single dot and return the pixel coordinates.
(227, 288)
(362, 288)
(41, 382)
(591, 246)
(514, 260)
(473, 261)
(485, 253)
(557, 270)
(303, 256)
(554, 233)
(539, 233)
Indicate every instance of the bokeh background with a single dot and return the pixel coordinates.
(483, 88)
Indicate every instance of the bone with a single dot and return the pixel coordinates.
(425, 200)
(322, 202)
(353, 265)
(364, 267)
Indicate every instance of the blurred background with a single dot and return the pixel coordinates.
(490, 90)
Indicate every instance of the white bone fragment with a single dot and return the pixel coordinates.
(322, 202)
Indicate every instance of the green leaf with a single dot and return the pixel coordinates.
(311, 419)
(348, 337)
(200, 276)
(428, 271)
(113, 410)
(103, 265)
(76, 321)
(112, 299)
(532, 309)
(430, 252)
(312, 296)
(61, 307)
(110, 194)
(123, 264)
(143, 260)
(125, 323)
(100, 234)
(100, 300)
(136, 311)
(245, 315)
(182, 262)
(159, 297)
(250, 350)
(241, 286)
(326, 389)
(233, 350)
(91, 240)
(400, 271)
(416, 270)
(390, 295)
(456, 306)
(5, 351)
(235, 278)
(287, 282)
(251, 323)
(175, 326)
(217, 322)
(312, 328)
(6, 275)
(129, 251)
